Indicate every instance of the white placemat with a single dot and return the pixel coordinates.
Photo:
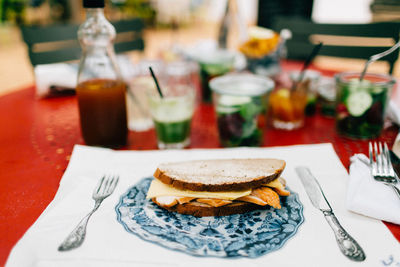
(108, 244)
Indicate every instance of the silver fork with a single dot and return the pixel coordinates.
(381, 166)
(104, 188)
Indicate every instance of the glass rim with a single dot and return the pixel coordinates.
(217, 56)
(153, 93)
(313, 74)
(221, 84)
(384, 78)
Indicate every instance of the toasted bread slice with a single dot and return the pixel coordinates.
(220, 174)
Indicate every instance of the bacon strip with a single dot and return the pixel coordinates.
(214, 202)
(253, 199)
(267, 195)
(183, 200)
(260, 196)
(281, 192)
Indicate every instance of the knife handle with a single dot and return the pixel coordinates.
(349, 247)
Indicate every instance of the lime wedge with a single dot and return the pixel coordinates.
(358, 103)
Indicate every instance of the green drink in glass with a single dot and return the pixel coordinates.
(361, 105)
(172, 115)
(173, 132)
(240, 104)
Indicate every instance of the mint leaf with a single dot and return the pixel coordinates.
(249, 110)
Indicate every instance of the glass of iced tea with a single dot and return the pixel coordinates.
(287, 108)
(102, 112)
(361, 105)
(313, 78)
(240, 102)
(172, 112)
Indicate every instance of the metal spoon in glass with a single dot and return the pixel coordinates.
(376, 57)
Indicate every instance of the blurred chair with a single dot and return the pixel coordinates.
(58, 43)
(268, 10)
(340, 40)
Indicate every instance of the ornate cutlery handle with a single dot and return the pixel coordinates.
(76, 237)
(349, 247)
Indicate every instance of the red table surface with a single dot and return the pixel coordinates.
(37, 137)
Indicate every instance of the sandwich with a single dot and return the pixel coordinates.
(218, 187)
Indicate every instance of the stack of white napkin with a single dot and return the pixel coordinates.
(55, 79)
(369, 197)
(62, 76)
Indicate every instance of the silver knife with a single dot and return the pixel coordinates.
(349, 247)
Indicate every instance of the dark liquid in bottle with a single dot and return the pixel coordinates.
(102, 111)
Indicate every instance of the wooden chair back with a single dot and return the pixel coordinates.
(58, 43)
(340, 40)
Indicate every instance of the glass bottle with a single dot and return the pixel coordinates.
(100, 90)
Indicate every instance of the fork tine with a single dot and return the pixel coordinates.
(388, 160)
(112, 187)
(378, 159)
(382, 159)
(372, 162)
(371, 155)
(375, 152)
(385, 164)
(107, 185)
(97, 189)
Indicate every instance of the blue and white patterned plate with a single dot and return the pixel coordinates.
(251, 234)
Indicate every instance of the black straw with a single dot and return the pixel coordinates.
(307, 63)
(156, 82)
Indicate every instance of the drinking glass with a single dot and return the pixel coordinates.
(240, 102)
(311, 78)
(212, 64)
(327, 96)
(361, 105)
(172, 113)
(287, 108)
(139, 82)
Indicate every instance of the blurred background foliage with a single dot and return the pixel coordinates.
(17, 12)
(158, 13)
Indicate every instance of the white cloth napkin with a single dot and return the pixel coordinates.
(393, 112)
(369, 197)
(107, 243)
(65, 75)
(62, 75)
(393, 108)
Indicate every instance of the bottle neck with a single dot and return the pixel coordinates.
(94, 13)
(96, 29)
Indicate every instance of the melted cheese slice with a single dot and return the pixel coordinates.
(158, 189)
(275, 184)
